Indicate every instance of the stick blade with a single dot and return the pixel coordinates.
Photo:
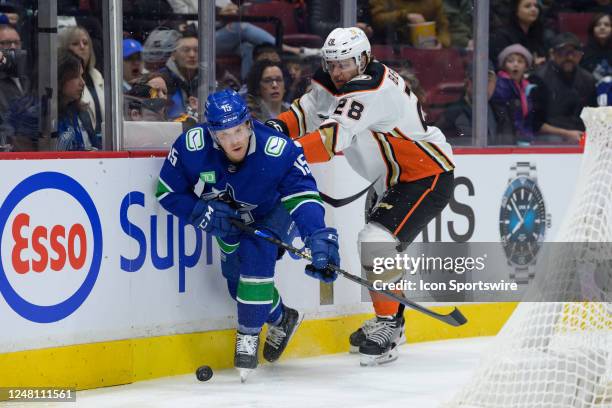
(456, 318)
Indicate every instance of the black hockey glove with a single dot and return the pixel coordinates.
(277, 125)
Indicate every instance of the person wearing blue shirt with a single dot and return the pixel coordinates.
(234, 168)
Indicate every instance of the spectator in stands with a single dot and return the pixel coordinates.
(144, 103)
(74, 128)
(182, 72)
(413, 82)
(14, 82)
(597, 57)
(77, 40)
(601, 6)
(229, 80)
(456, 121)
(524, 27)
(298, 82)
(158, 82)
(11, 11)
(158, 47)
(459, 14)
(153, 85)
(184, 6)
(511, 91)
(392, 18)
(132, 62)
(562, 89)
(266, 52)
(19, 109)
(266, 90)
(240, 38)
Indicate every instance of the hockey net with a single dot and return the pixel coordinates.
(559, 354)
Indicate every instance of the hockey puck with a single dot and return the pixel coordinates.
(204, 373)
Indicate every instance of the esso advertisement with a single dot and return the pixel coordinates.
(50, 247)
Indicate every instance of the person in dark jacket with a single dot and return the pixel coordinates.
(182, 71)
(562, 89)
(597, 57)
(525, 27)
(74, 128)
(457, 123)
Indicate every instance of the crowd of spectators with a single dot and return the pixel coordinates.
(541, 75)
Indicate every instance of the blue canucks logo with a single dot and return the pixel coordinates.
(229, 197)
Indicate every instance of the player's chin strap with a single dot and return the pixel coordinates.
(454, 318)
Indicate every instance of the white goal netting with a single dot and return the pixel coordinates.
(559, 354)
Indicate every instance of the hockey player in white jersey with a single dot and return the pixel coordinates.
(364, 109)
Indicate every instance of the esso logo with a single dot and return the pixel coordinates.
(73, 248)
(50, 247)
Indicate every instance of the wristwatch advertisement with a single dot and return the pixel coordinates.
(522, 221)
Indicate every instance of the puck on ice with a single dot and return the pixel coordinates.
(204, 373)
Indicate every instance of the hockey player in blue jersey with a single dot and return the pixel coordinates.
(234, 167)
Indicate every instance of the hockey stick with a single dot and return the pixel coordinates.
(454, 318)
(340, 202)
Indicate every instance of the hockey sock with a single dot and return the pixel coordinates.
(382, 305)
(276, 313)
(255, 297)
(400, 310)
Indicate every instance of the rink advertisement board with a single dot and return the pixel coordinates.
(88, 255)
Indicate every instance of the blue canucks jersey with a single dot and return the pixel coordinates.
(274, 170)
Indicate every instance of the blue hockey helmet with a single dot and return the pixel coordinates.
(225, 109)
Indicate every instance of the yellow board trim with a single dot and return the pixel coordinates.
(86, 366)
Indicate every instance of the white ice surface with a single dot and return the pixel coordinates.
(425, 375)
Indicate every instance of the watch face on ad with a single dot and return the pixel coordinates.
(522, 221)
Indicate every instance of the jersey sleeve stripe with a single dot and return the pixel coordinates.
(297, 110)
(226, 247)
(330, 131)
(293, 203)
(301, 193)
(299, 204)
(391, 158)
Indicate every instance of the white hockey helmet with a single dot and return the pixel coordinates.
(345, 43)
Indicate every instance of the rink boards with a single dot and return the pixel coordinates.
(101, 286)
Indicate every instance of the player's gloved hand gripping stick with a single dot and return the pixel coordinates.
(454, 318)
(323, 246)
(214, 216)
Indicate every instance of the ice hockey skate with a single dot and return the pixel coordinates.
(382, 341)
(278, 336)
(245, 357)
(359, 336)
